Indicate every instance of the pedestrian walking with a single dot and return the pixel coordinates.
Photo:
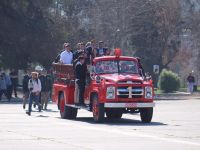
(2, 86)
(46, 88)
(34, 86)
(14, 80)
(8, 86)
(190, 82)
(26, 79)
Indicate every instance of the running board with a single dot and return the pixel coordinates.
(86, 107)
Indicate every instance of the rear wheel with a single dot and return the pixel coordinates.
(146, 114)
(74, 112)
(97, 109)
(114, 113)
(66, 112)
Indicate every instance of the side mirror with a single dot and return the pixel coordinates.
(141, 73)
(91, 70)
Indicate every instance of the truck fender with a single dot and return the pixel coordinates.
(95, 91)
(59, 97)
(91, 95)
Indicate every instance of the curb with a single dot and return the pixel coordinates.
(177, 96)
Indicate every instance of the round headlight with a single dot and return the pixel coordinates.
(110, 94)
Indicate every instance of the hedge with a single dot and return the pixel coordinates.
(168, 81)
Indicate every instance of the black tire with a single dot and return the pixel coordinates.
(74, 112)
(114, 113)
(66, 112)
(146, 114)
(98, 110)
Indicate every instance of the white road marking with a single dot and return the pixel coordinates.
(174, 140)
(102, 128)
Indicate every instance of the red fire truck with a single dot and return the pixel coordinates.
(114, 86)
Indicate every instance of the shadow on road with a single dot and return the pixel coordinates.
(12, 101)
(50, 110)
(42, 116)
(121, 122)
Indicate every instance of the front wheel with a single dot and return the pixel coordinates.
(97, 109)
(146, 114)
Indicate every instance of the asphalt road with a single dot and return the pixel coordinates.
(175, 125)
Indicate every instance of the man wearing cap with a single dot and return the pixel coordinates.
(66, 56)
(34, 86)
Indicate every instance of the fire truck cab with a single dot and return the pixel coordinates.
(114, 86)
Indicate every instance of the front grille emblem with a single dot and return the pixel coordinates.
(129, 92)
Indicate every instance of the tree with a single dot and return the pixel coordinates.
(156, 28)
(28, 33)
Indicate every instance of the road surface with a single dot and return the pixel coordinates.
(175, 125)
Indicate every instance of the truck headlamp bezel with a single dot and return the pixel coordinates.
(110, 92)
(148, 92)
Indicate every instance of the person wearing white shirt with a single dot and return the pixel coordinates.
(66, 56)
(35, 87)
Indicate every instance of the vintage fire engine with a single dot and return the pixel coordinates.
(114, 86)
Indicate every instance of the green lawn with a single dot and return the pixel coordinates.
(158, 91)
(198, 88)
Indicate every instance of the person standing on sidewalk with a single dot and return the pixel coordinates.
(2, 86)
(8, 86)
(25, 88)
(14, 80)
(34, 86)
(191, 81)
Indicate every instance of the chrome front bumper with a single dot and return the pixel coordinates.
(129, 105)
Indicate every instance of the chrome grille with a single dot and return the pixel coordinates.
(130, 92)
(129, 82)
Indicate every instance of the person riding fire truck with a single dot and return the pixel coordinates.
(115, 87)
(80, 74)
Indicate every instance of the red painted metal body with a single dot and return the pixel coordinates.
(115, 80)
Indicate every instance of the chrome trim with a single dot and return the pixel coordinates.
(129, 105)
(133, 90)
(130, 82)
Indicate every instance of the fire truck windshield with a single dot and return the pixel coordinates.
(116, 66)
